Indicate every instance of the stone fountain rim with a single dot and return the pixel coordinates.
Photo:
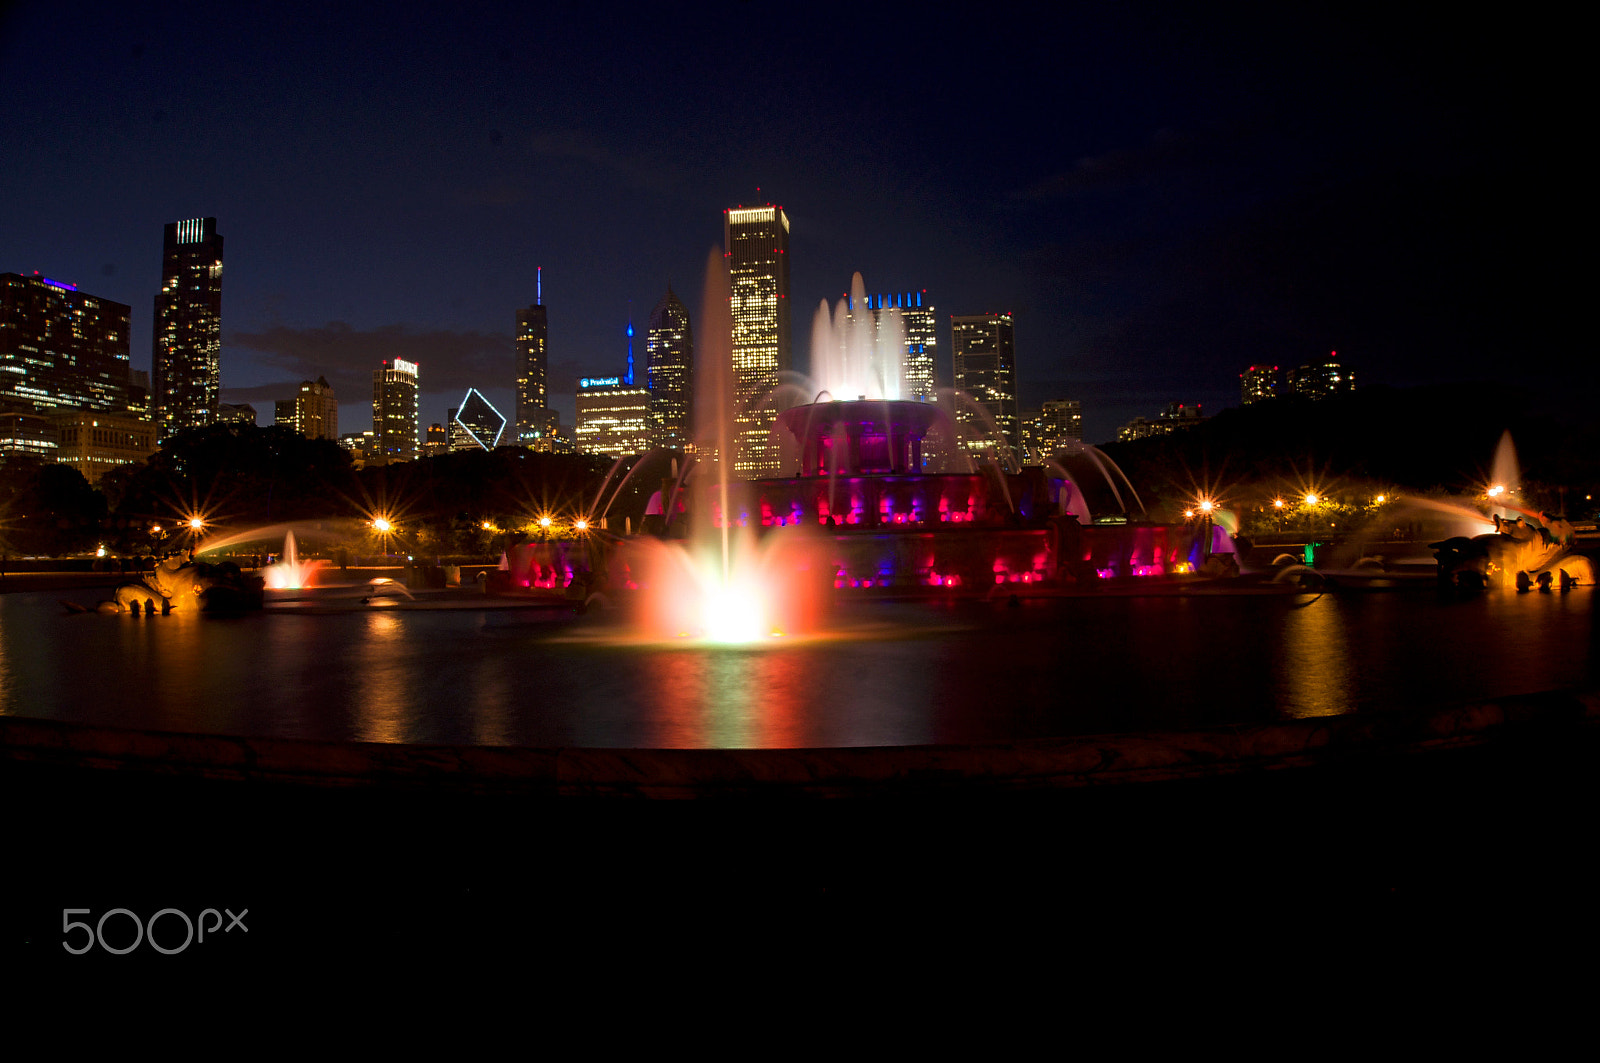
(568, 773)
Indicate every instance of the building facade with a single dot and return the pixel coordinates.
(548, 436)
(394, 413)
(1176, 417)
(1054, 427)
(984, 353)
(27, 439)
(476, 424)
(669, 373)
(1322, 380)
(94, 443)
(187, 333)
(63, 349)
(533, 361)
(314, 412)
(613, 417)
(1258, 383)
(437, 441)
(756, 243)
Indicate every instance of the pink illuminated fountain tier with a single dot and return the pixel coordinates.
(861, 483)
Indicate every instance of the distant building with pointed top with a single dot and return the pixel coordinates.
(669, 373)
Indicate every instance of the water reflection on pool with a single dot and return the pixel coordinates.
(891, 674)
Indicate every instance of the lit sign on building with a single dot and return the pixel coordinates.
(405, 366)
(599, 382)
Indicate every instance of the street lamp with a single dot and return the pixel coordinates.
(1206, 505)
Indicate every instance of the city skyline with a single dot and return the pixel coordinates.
(1179, 198)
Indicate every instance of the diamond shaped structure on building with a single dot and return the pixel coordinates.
(479, 420)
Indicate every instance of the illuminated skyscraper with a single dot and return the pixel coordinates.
(63, 349)
(756, 242)
(187, 337)
(533, 329)
(394, 413)
(986, 371)
(669, 373)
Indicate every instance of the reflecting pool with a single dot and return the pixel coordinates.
(889, 673)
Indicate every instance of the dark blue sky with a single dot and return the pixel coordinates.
(1162, 195)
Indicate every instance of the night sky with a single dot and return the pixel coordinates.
(1161, 195)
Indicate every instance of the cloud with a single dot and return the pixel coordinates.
(1165, 153)
(447, 360)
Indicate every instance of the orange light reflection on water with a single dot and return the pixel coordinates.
(728, 698)
(381, 669)
(1313, 661)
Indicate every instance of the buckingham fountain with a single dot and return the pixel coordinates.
(891, 493)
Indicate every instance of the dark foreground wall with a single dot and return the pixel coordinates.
(1444, 835)
(785, 774)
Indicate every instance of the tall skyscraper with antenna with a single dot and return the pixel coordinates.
(187, 338)
(756, 243)
(533, 398)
